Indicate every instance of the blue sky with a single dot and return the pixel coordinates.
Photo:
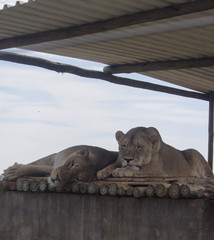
(42, 112)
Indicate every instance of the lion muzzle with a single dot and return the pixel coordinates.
(128, 159)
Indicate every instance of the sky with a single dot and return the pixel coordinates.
(43, 112)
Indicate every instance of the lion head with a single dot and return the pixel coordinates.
(77, 166)
(138, 146)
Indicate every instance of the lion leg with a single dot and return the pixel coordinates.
(19, 170)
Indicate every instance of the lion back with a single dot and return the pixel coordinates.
(198, 164)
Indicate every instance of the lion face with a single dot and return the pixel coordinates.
(77, 167)
(137, 147)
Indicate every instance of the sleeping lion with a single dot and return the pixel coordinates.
(143, 153)
(77, 162)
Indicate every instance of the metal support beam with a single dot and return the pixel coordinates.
(160, 65)
(211, 130)
(65, 68)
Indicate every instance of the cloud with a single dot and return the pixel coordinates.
(44, 112)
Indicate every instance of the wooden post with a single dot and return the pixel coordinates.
(75, 187)
(42, 185)
(112, 191)
(184, 190)
(83, 188)
(150, 191)
(104, 190)
(211, 130)
(174, 191)
(93, 188)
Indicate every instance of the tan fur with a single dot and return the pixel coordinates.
(143, 153)
(78, 162)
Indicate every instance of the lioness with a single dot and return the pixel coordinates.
(143, 153)
(78, 162)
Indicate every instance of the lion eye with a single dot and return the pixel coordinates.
(123, 146)
(71, 165)
(139, 147)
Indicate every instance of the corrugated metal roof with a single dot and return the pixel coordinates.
(183, 37)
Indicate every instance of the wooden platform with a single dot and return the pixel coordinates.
(161, 187)
(62, 216)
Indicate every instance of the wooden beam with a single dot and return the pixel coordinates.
(65, 68)
(161, 65)
(211, 130)
(110, 24)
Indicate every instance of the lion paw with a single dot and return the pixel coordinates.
(13, 172)
(122, 172)
(102, 174)
(118, 172)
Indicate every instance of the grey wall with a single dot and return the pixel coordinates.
(60, 216)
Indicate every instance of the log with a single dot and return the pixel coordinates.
(129, 191)
(161, 190)
(25, 185)
(12, 186)
(200, 193)
(150, 191)
(113, 189)
(93, 188)
(19, 184)
(34, 186)
(185, 191)
(4, 185)
(59, 189)
(83, 188)
(139, 192)
(104, 189)
(174, 191)
(51, 188)
(67, 187)
(75, 187)
(43, 185)
(121, 191)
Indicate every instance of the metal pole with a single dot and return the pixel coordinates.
(211, 129)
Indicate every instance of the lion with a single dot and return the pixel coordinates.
(142, 153)
(77, 162)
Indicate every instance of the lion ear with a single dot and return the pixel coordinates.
(155, 141)
(119, 135)
(84, 152)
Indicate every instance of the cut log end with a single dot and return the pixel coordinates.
(93, 188)
(75, 187)
(113, 189)
(185, 191)
(150, 191)
(104, 190)
(42, 185)
(174, 191)
(160, 190)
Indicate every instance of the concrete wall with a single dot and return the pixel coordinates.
(61, 216)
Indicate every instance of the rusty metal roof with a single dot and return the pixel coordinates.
(189, 36)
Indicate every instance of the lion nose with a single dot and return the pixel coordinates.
(57, 177)
(53, 180)
(128, 159)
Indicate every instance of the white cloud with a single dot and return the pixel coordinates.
(43, 112)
